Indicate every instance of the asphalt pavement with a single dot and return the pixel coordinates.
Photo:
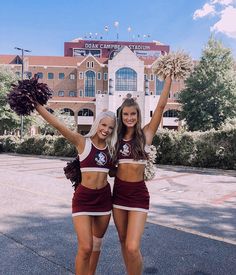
(191, 228)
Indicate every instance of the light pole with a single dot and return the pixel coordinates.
(116, 24)
(129, 30)
(22, 77)
(106, 28)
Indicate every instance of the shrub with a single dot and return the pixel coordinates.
(33, 145)
(38, 145)
(186, 149)
(216, 149)
(205, 151)
(165, 144)
(213, 148)
(9, 143)
(63, 148)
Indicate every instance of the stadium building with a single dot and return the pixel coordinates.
(93, 76)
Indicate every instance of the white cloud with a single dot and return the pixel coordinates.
(227, 22)
(207, 9)
(225, 11)
(222, 2)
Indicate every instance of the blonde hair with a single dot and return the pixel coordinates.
(111, 140)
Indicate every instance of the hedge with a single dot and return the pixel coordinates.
(38, 145)
(211, 149)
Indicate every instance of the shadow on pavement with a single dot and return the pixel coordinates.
(217, 221)
(46, 245)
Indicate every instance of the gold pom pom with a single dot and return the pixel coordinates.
(177, 65)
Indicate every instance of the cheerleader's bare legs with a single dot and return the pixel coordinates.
(90, 231)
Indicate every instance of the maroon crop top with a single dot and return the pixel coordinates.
(94, 159)
(125, 154)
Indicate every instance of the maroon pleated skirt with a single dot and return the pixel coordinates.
(130, 195)
(92, 202)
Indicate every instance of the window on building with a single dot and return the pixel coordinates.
(72, 76)
(68, 111)
(40, 75)
(159, 86)
(28, 75)
(89, 89)
(92, 64)
(72, 93)
(99, 76)
(81, 75)
(50, 110)
(61, 76)
(88, 64)
(105, 76)
(83, 52)
(85, 112)
(145, 77)
(18, 60)
(50, 75)
(170, 113)
(176, 95)
(151, 77)
(151, 112)
(61, 93)
(126, 80)
(81, 93)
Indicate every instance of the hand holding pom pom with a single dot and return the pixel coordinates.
(24, 97)
(177, 65)
(73, 173)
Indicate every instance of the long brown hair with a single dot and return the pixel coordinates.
(138, 139)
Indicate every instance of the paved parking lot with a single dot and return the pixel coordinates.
(191, 227)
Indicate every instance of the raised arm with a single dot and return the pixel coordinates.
(151, 128)
(74, 137)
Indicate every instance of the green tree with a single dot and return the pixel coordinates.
(46, 128)
(9, 121)
(210, 94)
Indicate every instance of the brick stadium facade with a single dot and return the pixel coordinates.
(107, 49)
(97, 75)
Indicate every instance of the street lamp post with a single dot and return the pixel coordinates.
(106, 28)
(22, 77)
(129, 30)
(116, 24)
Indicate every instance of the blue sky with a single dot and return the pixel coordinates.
(43, 26)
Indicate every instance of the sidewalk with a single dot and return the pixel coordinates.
(191, 227)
